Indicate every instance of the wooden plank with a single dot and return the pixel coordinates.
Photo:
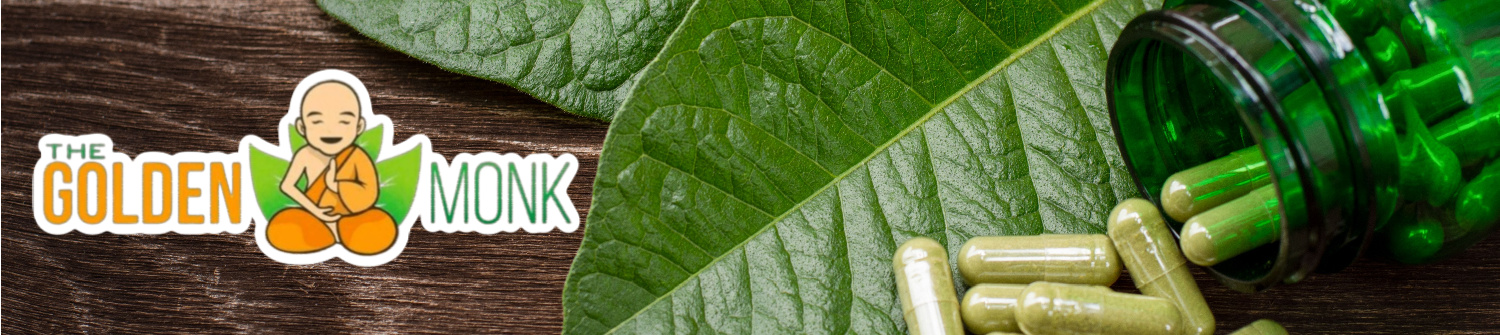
(178, 75)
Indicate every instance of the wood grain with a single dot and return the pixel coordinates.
(198, 76)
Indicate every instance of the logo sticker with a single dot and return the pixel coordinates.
(334, 186)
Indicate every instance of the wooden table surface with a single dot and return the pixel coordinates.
(179, 75)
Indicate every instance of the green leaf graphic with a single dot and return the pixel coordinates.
(266, 172)
(398, 182)
(769, 162)
(398, 175)
(583, 56)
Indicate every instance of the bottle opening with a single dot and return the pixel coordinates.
(1174, 114)
(1216, 129)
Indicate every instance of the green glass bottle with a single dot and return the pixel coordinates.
(1358, 108)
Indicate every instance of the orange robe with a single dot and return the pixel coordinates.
(362, 228)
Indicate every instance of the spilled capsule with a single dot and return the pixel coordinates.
(1060, 258)
(1157, 268)
(1053, 308)
(925, 284)
(991, 308)
(1261, 327)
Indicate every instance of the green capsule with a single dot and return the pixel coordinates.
(1432, 91)
(1429, 170)
(1261, 327)
(1234, 228)
(1414, 38)
(990, 308)
(1357, 17)
(1386, 52)
(1473, 134)
(1414, 237)
(1156, 266)
(1208, 185)
(1054, 308)
(1076, 259)
(1419, 44)
(926, 286)
(1479, 202)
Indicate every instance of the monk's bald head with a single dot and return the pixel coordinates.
(330, 95)
(330, 117)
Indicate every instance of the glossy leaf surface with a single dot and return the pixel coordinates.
(770, 161)
(583, 56)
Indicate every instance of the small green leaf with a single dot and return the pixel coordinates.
(266, 172)
(766, 166)
(370, 141)
(398, 182)
(583, 56)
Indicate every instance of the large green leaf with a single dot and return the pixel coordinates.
(581, 55)
(767, 165)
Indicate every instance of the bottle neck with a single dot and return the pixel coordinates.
(1198, 80)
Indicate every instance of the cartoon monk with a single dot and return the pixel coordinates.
(338, 206)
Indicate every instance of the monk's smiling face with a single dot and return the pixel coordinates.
(330, 117)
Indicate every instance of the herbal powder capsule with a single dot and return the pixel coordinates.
(1261, 327)
(1054, 308)
(991, 308)
(1234, 228)
(1211, 184)
(1076, 259)
(1149, 251)
(928, 300)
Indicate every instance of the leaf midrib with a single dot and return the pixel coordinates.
(1015, 55)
